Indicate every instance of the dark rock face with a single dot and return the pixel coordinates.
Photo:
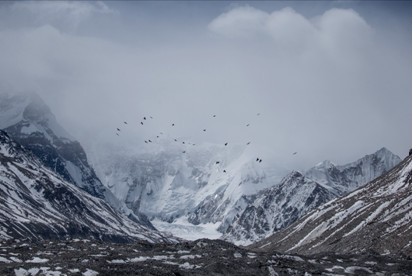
(38, 204)
(201, 257)
(375, 217)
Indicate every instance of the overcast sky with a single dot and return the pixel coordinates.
(331, 80)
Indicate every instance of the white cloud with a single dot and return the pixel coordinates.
(243, 21)
(289, 29)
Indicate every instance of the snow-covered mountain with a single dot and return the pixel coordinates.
(36, 203)
(376, 217)
(201, 187)
(29, 121)
(276, 208)
(273, 209)
(343, 179)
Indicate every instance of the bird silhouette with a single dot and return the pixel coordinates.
(118, 129)
(224, 171)
(248, 143)
(141, 123)
(173, 124)
(144, 118)
(204, 129)
(150, 141)
(225, 144)
(248, 125)
(125, 122)
(295, 153)
(217, 162)
(214, 116)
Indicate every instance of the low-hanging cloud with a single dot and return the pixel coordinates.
(329, 86)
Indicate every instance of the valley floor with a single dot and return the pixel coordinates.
(201, 257)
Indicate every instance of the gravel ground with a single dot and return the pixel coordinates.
(201, 257)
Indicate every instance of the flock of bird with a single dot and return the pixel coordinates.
(148, 141)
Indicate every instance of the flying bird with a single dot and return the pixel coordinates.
(117, 134)
(204, 129)
(295, 153)
(125, 122)
(214, 116)
(258, 114)
(141, 123)
(150, 141)
(118, 129)
(224, 171)
(217, 162)
(225, 144)
(144, 118)
(145, 141)
(173, 124)
(248, 143)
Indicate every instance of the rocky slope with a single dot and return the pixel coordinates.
(376, 217)
(37, 204)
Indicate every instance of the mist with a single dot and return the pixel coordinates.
(328, 82)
